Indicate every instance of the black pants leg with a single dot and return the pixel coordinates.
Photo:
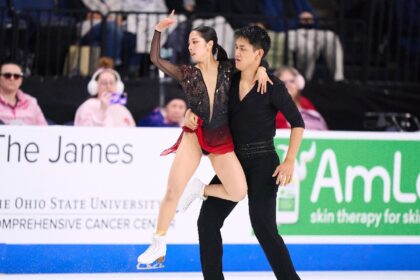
(262, 194)
(212, 215)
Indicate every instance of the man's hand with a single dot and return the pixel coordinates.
(190, 120)
(284, 172)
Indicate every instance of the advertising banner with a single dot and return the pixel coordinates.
(91, 195)
(86, 185)
(352, 186)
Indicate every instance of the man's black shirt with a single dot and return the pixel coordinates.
(254, 118)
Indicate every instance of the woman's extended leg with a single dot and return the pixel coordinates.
(186, 161)
(183, 167)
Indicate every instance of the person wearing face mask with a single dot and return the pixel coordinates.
(106, 107)
(295, 83)
(171, 115)
(17, 107)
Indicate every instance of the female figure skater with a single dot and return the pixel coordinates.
(206, 86)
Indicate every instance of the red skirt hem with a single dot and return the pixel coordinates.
(220, 149)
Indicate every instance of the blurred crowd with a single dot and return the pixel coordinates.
(118, 35)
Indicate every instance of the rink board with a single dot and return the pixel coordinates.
(85, 200)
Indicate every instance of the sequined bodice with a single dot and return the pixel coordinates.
(198, 97)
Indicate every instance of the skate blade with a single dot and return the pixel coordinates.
(155, 265)
(184, 208)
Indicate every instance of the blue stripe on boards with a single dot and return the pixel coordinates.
(122, 258)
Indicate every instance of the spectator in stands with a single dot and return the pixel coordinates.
(295, 83)
(304, 37)
(211, 13)
(139, 36)
(105, 62)
(181, 6)
(106, 108)
(172, 115)
(17, 107)
(92, 27)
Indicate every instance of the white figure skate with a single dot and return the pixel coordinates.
(154, 256)
(194, 190)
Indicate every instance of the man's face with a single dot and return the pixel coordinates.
(175, 110)
(245, 55)
(10, 78)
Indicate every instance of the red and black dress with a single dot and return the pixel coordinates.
(213, 134)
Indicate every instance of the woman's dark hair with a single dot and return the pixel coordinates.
(209, 34)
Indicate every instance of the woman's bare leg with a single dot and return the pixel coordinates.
(186, 161)
(230, 172)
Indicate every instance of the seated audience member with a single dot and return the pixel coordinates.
(212, 13)
(106, 107)
(142, 15)
(295, 83)
(305, 38)
(94, 30)
(172, 115)
(105, 62)
(17, 107)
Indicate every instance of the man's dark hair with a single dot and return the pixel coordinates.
(256, 36)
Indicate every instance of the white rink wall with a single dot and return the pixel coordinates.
(85, 200)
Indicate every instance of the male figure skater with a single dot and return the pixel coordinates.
(252, 121)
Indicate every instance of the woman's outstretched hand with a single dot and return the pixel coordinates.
(262, 78)
(166, 22)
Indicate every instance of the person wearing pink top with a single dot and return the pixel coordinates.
(106, 108)
(295, 83)
(17, 107)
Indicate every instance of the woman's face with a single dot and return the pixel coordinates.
(199, 49)
(289, 81)
(106, 83)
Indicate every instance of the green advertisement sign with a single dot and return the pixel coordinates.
(352, 187)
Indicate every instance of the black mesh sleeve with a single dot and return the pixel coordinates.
(170, 69)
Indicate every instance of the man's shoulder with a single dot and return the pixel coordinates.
(236, 77)
(277, 84)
